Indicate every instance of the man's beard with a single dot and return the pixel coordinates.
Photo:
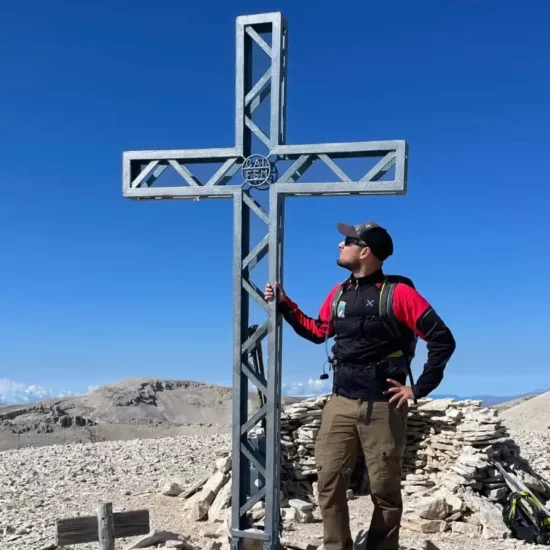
(349, 264)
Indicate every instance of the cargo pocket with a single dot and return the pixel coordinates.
(384, 466)
(336, 443)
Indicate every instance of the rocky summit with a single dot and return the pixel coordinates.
(453, 495)
(129, 409)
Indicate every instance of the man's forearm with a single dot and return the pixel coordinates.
(314, 330)
(441, 346)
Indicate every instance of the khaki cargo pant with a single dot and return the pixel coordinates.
(380, 428)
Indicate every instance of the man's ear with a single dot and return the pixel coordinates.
(365, 252)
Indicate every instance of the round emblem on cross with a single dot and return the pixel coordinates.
(257, 170)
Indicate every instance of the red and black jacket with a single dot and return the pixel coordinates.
(363, 343)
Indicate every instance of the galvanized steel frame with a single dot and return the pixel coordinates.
(138, 184)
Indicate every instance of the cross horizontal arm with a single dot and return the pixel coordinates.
(183, 154)
(342, 150)
(137, 182)
(392, 153)
(339, 189)
(217, 192)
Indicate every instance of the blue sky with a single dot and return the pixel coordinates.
(95, 288)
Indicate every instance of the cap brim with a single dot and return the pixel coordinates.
(347, 230)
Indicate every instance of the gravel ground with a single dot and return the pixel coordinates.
(535, 447)
(43, 484)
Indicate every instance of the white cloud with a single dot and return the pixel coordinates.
(308, 389)
(12, 392)
(17, 392)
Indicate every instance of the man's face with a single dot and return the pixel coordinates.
(352, 251)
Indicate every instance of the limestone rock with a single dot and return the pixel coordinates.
(433, 508)
(423, 525)
(289, 514)
(300, 505)
(155, 537)
(489, 516)
(215, 482)
(305, 517)
(223, 464)
(170, 488)
(466, 529)
(199, 505)
(223, 499)
(436, 405)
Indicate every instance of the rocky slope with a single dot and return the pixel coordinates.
(508, 404)
(533, 414)
(44, 484)
(137, 407)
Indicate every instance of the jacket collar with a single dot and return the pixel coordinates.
(373, 278)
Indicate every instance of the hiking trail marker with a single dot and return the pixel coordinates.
(267, 33)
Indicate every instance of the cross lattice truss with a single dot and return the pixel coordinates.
(373, 160)
(142, 169)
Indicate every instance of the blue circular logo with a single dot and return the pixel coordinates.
(257, 170)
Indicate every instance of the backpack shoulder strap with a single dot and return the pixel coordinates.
(386, 300)
(386, 308)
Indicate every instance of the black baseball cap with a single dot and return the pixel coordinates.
(372, 235)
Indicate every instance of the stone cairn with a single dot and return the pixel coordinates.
(448, 481)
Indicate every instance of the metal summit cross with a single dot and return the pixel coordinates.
(141, 169)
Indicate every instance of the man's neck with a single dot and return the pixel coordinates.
(365, 272)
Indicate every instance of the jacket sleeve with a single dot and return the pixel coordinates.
(314, 330)
(412, 309)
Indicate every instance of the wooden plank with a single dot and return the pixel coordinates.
(85, 529)
(76, 530)
(131, 524)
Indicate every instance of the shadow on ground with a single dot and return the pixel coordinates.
(361, 543)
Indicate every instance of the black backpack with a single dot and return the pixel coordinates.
(526, 518)
(406, 337)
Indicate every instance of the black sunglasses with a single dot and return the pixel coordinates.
(350, 241)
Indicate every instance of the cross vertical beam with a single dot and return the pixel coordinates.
(141, 172)
(273, 83)
(274, 367)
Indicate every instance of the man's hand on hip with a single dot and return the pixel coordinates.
(401, 393)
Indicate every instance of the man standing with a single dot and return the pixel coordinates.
(369, 402)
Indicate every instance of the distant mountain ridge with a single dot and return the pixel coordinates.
(132, 408)
(499, 401)
(15, 393)
(137, 408)
(491, 400)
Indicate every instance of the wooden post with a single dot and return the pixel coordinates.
(105, 526)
